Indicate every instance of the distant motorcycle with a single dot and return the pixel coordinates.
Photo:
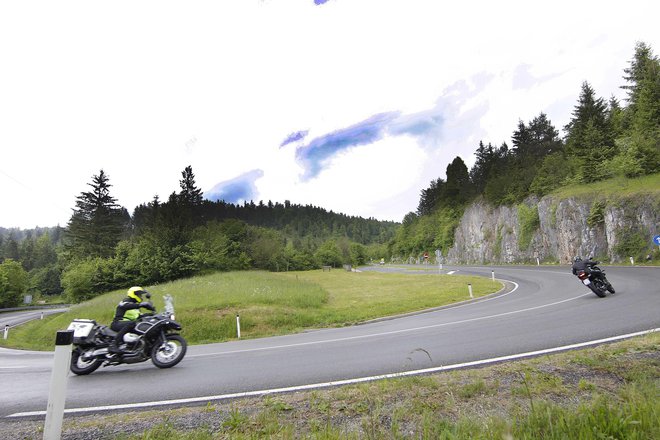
(596, 280)
(155, 337)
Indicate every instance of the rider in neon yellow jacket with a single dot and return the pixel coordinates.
(127, 313)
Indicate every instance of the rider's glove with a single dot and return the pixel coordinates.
(148, 305)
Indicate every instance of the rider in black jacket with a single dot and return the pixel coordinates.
(582, 265)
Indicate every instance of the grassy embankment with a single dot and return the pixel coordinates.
(615, 188)
(271, 303)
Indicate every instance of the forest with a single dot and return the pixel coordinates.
(103, 247)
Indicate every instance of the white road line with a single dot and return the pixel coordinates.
(335, 383)
(452, 272)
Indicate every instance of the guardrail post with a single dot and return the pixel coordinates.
(238, 326)
(58, 380)
(470, 290)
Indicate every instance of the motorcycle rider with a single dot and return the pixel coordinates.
(582, 265)
(127, 313)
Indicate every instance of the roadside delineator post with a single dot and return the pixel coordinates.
(6, 331)
(492, 275)
(58, 380)
(42, 316)
(238, 326)
(632, 262)
(470, 290)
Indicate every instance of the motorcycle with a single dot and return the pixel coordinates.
(155, 337)
(596, 280)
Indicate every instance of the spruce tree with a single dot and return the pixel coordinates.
(97, 223)
(189, 194)
(590, 137)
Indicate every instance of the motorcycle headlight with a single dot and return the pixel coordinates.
(172, 316)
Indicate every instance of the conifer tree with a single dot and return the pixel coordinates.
(98, 222)
(590, 138)
(189, 194)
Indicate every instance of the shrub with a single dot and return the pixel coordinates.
(528, 217)
(13, 283)
(596, 214)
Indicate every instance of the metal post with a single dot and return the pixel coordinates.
(470, 290)
(58, 379)
(6, 331)
(238, 326)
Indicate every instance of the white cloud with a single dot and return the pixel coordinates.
(144, 89)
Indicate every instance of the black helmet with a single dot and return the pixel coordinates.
(576, 259)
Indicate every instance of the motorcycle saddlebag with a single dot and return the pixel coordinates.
(84, 330)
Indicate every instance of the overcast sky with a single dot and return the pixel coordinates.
(351, 105)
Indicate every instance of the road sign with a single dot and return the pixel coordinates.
(656, 240)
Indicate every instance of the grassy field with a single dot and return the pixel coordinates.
(271, 303)
(613, 188)
(606, 392)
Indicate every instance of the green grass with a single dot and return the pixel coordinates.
(615, 187)
(271, 303)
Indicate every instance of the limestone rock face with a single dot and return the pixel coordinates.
(564, 228)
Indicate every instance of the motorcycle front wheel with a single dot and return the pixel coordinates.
(598, 288)
(82, 367)
(609, 286)
(170, 352)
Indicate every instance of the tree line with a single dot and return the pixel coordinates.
(104, 248)
(603, 139)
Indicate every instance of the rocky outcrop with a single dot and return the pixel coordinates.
(555, 230)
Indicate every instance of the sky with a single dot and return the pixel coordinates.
(350, 105)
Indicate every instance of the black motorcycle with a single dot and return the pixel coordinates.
(155, 337)
(595, 279)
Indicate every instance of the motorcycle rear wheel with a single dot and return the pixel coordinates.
(82, 367)
(170, 352)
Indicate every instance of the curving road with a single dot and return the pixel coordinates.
(542, 308)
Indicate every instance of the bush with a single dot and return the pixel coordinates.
(596, 214)
(77, 280)
(631, 244)
(528, 218)
(46, 280)
(13, 283)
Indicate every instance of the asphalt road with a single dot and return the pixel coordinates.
(543, 308)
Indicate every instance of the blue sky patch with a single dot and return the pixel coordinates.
(294, 137)
(237, 190)
(319, 150)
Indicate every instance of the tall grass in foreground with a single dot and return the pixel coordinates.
(271, 303)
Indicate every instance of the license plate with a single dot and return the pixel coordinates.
(586, 281)
(81, 329)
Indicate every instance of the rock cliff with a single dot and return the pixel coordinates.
(555, 230)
